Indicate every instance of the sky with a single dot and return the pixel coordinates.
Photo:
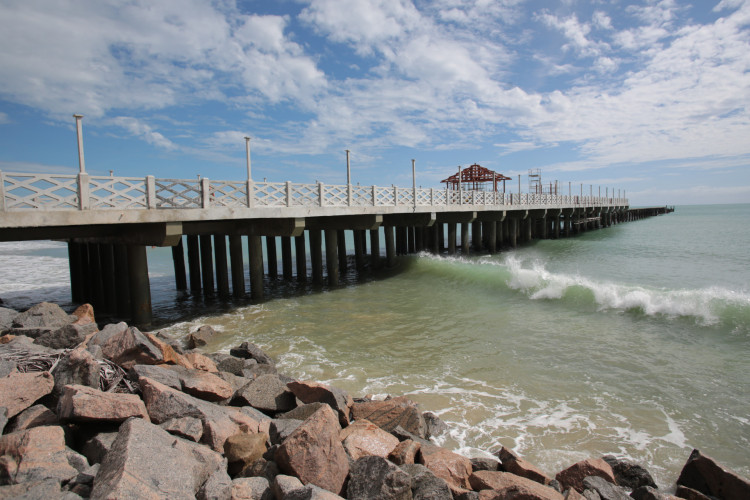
(648, 97)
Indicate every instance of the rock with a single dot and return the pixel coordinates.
(650, 493)
(128, 348)
(159, 373)
(260, 468)
(706, 476)
(520, 467)
(363, 438)
(147, 462)
(82, 483)
(110, 330)
(34, 490)
(405, 452)
(219, 422)
(314, 392)
(228, 363)
(573, 476)
(248, 350)
(168, 353)
(571, 494)
(39, 319)
(467, 495)
(629, 474)
(34, 416)
(312, 492)
(396, 412)
(202, 384)
(66, 337)
(96, 447)
(283, 485)
(218, 486)
(483, 463)
(200, 337)
(690, 494)
(606, 490)
(251, 488)
(3, 418)
(77, 367)
(6, 318)
(185, 427)
(35, 454)
(433, 424)
(244, 448)
(301, 412)
(373, 477)
(18, 391)
(84, 315)
(280, 429)
(201, 362)
(314, 453)
(425, 485)
(267, 393)
(7, 367)
(254, 370)
(508, 485)
(79, 403)
(451, 467)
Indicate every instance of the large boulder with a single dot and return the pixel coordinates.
(375, 478)
(77, 367)
(628, 473)
(158, 373)
(520, 467)
(425, 485)
(39, 319)
(363, 438)
(405, 452)
(33, 416)
(455, 469)
(396, 412)
(244, 448)
(219, 422)
(508, 485)
(18, 390)
(573, 476)
(35, 454)
(248, 350)
(186, 427)
(79, 403)
(6, 318)
(251, 488)
(127, 347)
(203, 385)
(147, 462)
(202, 336)
(267, 393)
(315, 392)
(314, 453)
(703, 474)
(605, 489)
(67, 336)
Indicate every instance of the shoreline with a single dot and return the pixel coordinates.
(209, 400)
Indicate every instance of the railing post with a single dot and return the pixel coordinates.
(2, 191)
(447, 195)
(395, 196)
(84, 193)
(321, 194)
(374, 195)
(150, 191)
(349, 195)
(288, 193)
(205, 193)
(250, 194)
(432, 196)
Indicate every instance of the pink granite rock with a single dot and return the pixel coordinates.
(315, 392)
(363, 438)
(453, 468)
(391, 414)
(520, 467)
(79, 403)
(507, 485)
(18, 390)
(405, 452)
(573, 476)
(35, 454)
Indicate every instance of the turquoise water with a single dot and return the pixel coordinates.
(632, 340)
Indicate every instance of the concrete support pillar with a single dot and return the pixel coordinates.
(194, 262)
(332, 259)
(418, 239)
(491, 236)
(316, 256)
(513, 232)
(412, 248)
(122, 291)
(465, 238)
(300, 255)
(435, 240)
(286, 257)
(390, 246)
(76, 271)
(207, 264)
(375, 248)
(452, 238)
(341, 238)
(220, 257)
(401, 244)
(140, 290)
(543, 224)
(107, 257)
(95, 275)
(255, 261)
(499, 234)
(529, 229)
(271, 257)
(441, 237)
(238, 266)
(178, 260)
(359, 251)
(85, 279)
(476, 235)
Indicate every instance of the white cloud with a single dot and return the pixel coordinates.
(515, 147)
(4, 118)
(144, 131)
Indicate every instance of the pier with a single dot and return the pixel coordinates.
(108, 222)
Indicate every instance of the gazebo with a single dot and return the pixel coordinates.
(476, 178)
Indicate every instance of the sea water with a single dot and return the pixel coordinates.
(632, 340)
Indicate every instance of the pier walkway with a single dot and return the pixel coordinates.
(109, 221)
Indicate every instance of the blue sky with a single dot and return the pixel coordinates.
(651, 96)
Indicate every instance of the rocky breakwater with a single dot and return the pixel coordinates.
(120, 413)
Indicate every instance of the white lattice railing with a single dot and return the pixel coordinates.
(22, 191)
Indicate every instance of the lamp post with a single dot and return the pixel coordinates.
(79, 134)
(414, 181)
(348, 169)
(250, 194)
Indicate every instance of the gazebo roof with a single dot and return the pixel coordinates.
(476, 173)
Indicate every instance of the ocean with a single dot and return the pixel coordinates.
(632, 340)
